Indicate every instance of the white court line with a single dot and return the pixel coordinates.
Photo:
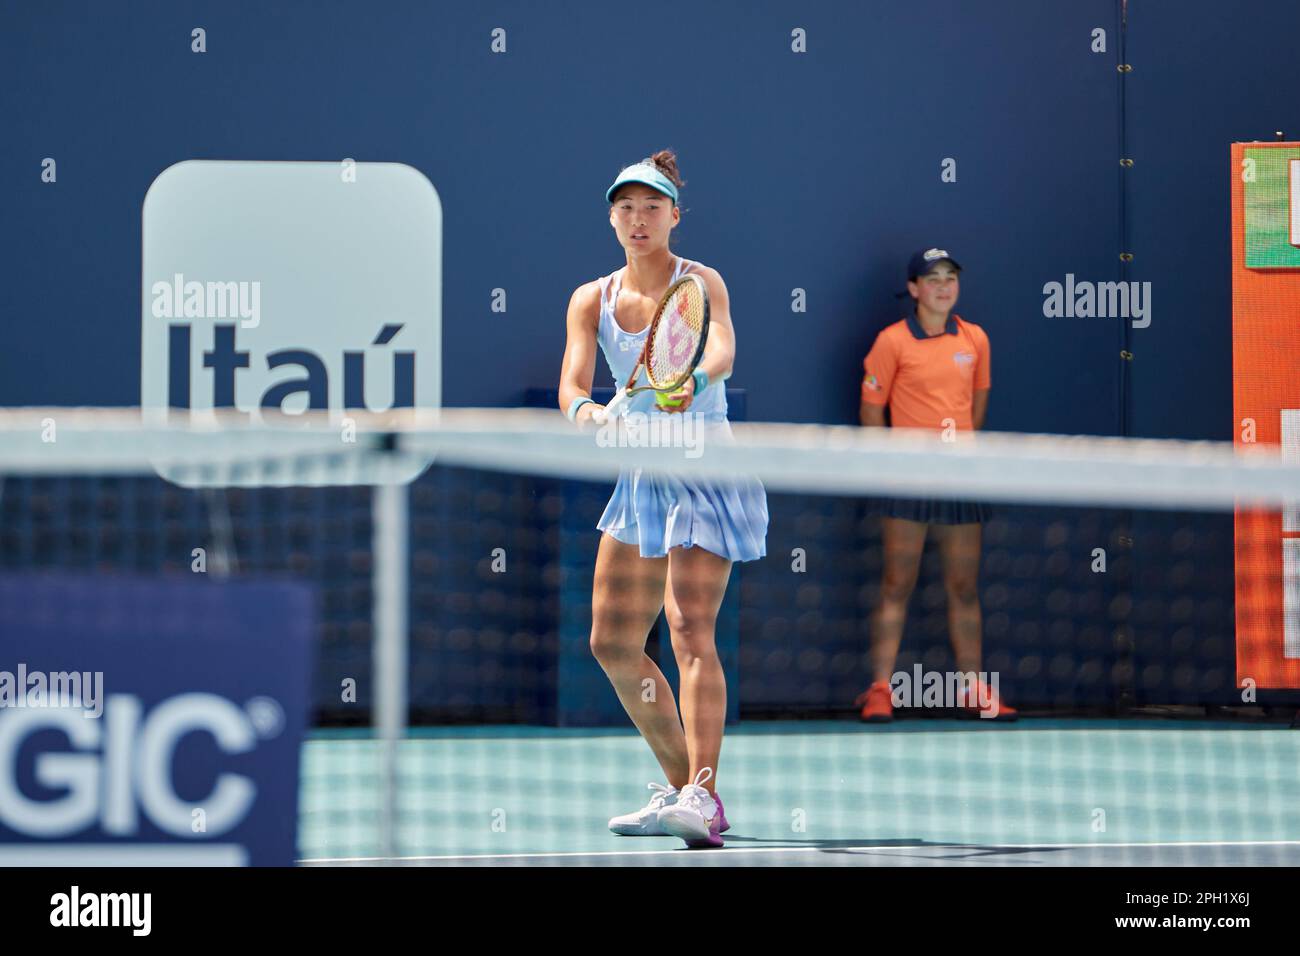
(801, 849)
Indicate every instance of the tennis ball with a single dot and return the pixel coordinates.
(663, 401)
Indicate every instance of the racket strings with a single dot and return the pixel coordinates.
(675, 340)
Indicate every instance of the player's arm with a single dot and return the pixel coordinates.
(871, 415)
(982, 382)
(979, 406)
(720, 348)
(878, 370)
(579, 367)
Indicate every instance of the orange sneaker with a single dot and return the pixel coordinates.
(995, 709)
(877, 706)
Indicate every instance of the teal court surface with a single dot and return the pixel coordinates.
(1041, 792)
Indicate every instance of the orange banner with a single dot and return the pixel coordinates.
(1266, 401)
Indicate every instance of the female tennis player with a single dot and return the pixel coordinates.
(932, 371)
(667, 542)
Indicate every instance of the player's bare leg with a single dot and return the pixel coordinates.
(903, 542)
(627, 595)
(697, 581)
(959, 548)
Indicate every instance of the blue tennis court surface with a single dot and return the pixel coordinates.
(828, 793)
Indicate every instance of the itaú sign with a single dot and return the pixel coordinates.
(290, 288)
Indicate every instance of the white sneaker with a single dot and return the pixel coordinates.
(645, 822)
(695, 816)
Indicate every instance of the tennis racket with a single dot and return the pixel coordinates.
(673, 346)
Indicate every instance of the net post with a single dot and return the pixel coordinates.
(390, 514)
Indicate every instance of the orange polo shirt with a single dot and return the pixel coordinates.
(927, 378)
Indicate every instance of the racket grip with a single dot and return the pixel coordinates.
(602, 415)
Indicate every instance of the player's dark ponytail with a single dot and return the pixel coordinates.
(666, 162)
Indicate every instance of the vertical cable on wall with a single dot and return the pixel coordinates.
(1125, 253)
(1124, 673)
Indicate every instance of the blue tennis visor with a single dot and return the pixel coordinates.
(647, 175)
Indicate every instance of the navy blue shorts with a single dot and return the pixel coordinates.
(935, 510)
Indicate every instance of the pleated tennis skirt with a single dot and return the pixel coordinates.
(656, 512)
(935, 510)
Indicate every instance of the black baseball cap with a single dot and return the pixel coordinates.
(924, 260)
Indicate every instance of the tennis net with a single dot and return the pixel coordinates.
(458, 715)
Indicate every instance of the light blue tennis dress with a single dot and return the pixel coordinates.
(657, 511)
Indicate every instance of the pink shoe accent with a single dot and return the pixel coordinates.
(713, 840)
(686, 820)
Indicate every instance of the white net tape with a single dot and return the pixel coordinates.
(824, 459)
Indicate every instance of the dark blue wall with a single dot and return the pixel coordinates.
(818, 171)
(1204, 75)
